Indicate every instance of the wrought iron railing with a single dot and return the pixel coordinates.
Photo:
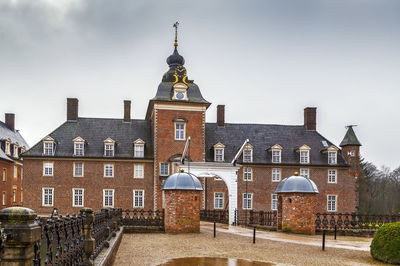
(219, 216)
(353, 221)
(250, 217)
(143, 218)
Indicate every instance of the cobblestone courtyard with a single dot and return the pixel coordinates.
(153, 249)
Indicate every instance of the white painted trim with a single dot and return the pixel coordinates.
(52, 199)
(336, 202)
(178, 107)
(134, 170)
(133, 201)
(73, 197)
(113, 197)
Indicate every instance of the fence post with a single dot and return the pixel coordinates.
(89, 242)
(108, 222)
(22, 233)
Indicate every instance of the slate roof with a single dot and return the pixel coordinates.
(94, 131)
(165, 93)
(262, 137)
(350, 138)
(14, 136)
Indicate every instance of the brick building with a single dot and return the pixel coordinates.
(12, 144)
(98, 162)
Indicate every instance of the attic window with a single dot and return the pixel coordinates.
(248, 154)
(304, 154)
(48, 146)
(219, 152)
(332, 155)
(15, 154)
(109, 145)
(138, 148)
(79, 146)
(276, 151)
(7, 149)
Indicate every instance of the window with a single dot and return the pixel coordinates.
(332, 176)
(305, 172)
(48, 148)
(4, 198)
(7, 149)
(15, 150)
(274, 202)
(247, 174)
(219, 155)
(138, 171)
(48, 168)
(47, 196)
(179, 131)
(22, 196)
(139, 150)
(4, 174)
(332, 203)
(304, 157)
(109, 150)
(138, 198)
(164, 169)
(108, 198)
(276, 156)
(14, 195)
(332, 157)
(247, 201)
(78, 196)
(276, 174)
(248, 155)
(108, 170)
(78, 170)
(15, 171)
(79, 149)
(218, 200)
(351, 153)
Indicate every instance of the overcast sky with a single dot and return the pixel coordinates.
(265, 60)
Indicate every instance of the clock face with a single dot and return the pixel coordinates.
(180, 95)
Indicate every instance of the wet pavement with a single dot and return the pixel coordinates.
(214, 261)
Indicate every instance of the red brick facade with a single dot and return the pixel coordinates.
(11, 192)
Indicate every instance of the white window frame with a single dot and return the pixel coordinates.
(109, 150)
(15, 171)
(247, 199)
(180, 133)
(137, 172)
(106, 173)
(48, 195)
(112, 197)
(219, 154)
(304, 156)
(332, 176)
(274, 202)
(45, 164)
(138, 197)
(76, 196)
(329, 203)
(332, 157)
(15, 153)
(14, 194)
(8, 147)
(4, 198)
(276, 172)
(4, 173)
(22, 196)
(248, 158)
(246, 174)
(162, 167)
(139, 151)
(305, 170)
(218, 200)
(276, 154)
(83, 169)
(79, 149)
(48, 148)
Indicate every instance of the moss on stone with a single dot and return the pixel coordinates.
(386, 243)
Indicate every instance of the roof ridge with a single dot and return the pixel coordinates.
(107, 118)
(257, 124)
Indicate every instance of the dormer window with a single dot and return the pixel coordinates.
(48, 146)
(138, 148)
(332, 154)
(219, 152)
(79, 146)
(276, 152)
(304, 154)
(7, 148)
(15, 154)
(248, 154)
(109, 144)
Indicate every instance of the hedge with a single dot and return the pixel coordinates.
(385, 245)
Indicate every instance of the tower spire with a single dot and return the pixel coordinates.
(176, 33)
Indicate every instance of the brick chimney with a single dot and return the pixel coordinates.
(310, 118)
(10, 120)
(72, 109)
(221, 115)
(127, 111)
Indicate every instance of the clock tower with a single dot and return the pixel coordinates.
(176, 112)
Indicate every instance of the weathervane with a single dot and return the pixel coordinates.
(176, 33)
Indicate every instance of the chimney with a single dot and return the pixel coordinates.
(72, 109)
(310, 118)
(221, 115)
(10, 121)
(127, 111)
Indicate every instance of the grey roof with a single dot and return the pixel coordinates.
(296, 183)
(165, 93)
(182, 181)
(350, 139)
(94, 131)
(262, 137)
(14, 136)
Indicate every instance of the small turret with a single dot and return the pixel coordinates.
(351, 150)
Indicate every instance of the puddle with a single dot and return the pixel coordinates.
(209, 261)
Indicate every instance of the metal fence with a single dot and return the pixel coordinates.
(219, 216)
(143, 218)
(250, 217)
(353, 221)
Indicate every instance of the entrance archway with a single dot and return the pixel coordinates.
(226, 171)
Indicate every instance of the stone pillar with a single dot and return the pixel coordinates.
(22, 234)
(89, 242)
(298, 212)
(182, 211)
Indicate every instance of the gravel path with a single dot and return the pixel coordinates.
(153, 249)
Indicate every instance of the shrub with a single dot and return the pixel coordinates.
(386, 243)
